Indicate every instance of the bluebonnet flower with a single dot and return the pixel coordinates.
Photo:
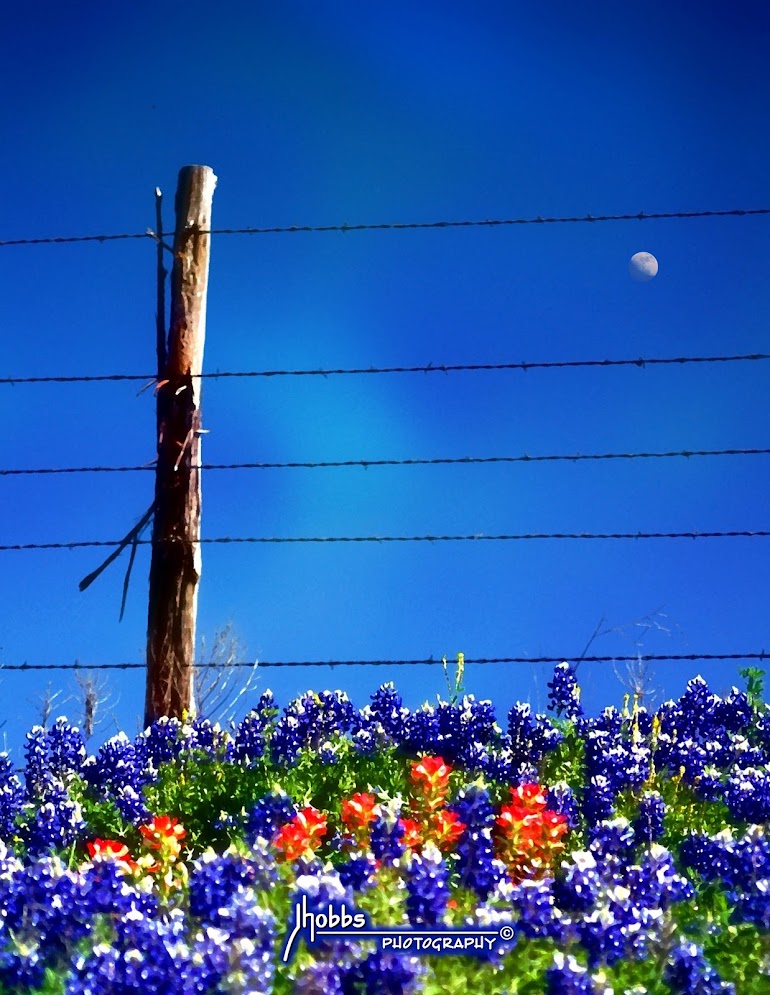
(501, 765)
(427, 888)
(215, 880)
(479, 869)
(385, 833)
(734, 713)
(740, 753)
(612, 721)
(458, 732)
(753, 906)
(567, 977)
(564, 694)
(742, 866)
(688, 973)
(66, 749)
(473, 806)
(578, 890)
(57, 822)
(750, 859)
(421, 731)
(611, 836)
(51, 909)
(118, 762)
(598, 800)
(686, 754)
(474, 758)
(709, 856)
(131, 805)
(561, 799)
(531, 737)
(327, 755)
(250, 738)
(695, 713)
(318, 887)
(287, 740)
(648, 825)
(309, 720)
(585, 724)
(119, 772)
(747, 795)
(321, 887)
(202, 735)
(358, 873)
(656, 883)
(640, 718)
(161, 742)
(383, 974)
(11, 798)
(271, 812)
(602, 935)
(760, 730)
(625, 765)
(39, 902)
(209, 960)
(104, 889)
(534, 901)
(365, 742)
(709, 785)
(387, 710)
(36, 775)
(145, 955)
(320, 978)
(251, 936)
(22, 969)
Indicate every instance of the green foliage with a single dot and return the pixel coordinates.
(54, 982)
(324, 786)
(200, 791)
(102, 817)
(686, 813)
(566, 762)
(455, 687)
(754, 685)
(741, 954)
(646, 971)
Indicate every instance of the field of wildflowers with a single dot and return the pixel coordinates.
(626, 853)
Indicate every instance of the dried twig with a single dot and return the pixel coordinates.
(225, 651)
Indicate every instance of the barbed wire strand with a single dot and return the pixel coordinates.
(396, 663)
(435, 461)
(224, 540)
(400, 226)
(430, 368)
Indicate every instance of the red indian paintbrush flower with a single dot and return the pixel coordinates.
(111, 850)
(164, 833)
(304, 832)
(445, 829)
(412, 837)
(528, 835)
(431, 772)
(430, 776)
(358, 812)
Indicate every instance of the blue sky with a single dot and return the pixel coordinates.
(347, 113)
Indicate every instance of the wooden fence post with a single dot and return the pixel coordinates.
(175, 568)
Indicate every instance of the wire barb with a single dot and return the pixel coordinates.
(437, 461)
(460, 367)
(397, 663)
(479, 536)
(408, 226)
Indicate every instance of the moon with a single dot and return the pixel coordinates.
(643, 266)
